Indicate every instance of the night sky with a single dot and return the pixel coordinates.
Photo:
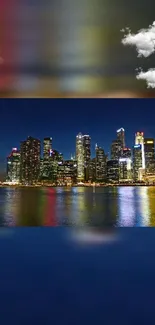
(63, 119)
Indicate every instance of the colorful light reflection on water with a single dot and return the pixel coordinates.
(51, 207)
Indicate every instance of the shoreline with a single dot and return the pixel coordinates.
(78, 186)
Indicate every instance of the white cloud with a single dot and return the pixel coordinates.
(149, 76)
(144, 40)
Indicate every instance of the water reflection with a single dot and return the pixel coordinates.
(126, 206)
(79, 207)
(151, 198)
(9, 206)
(63, 206)
(97, 208)
(50, 210)
(29, 208)
(82, 207)
(143, 214)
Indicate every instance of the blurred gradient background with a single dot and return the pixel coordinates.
(72, 48)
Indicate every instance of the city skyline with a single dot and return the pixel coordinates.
(64, 119)
(28, 167)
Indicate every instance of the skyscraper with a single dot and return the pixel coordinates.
(137, 161)
(41, 169)
(30, 161)
(87, 155)
(126, 153)
(56, 164)
(121, 137)
(80, 157)
(116, 150)
(125, 169)
(47, 147)
(149, 150)
(13, 167)
(70, 171)
(139, 139)
(113, 171)
(101, 164)
(92, 170)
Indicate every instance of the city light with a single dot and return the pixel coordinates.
(28, 167)
(120, 130)
(137, 146)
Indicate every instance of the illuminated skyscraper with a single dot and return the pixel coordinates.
(139, 139)
(92, 170)
(80, 158)
(113, 171)
(125, 169)
(41, 168)
(137, 161)
(30, 161)
(56, 162)
(87, 155)
(101, 164)
(121, 137)
(47, 147)
(70, 171)
(116, 150)
(149, 150)
(13, 166)
(126, 153)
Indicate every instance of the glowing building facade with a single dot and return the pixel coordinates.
(13, 167)
(87, 155)
(55, 166)
(137, 162)
(139, 140)
(47, 147)
(116, 150)
(125, 169)
(80, 158)
(113, 171)
(30, 161)
(92, 170)
(149, 150)
(126, 153)
(101, 164)
(121, 137)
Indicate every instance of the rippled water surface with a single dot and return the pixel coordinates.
(117, 206)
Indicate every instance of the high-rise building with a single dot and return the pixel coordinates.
(137, 161)
(47, 148)
(80, 158)
(125, 169)
(149, 150)
(13, 167)
(30, 161)
(87, 155)
(113, 171)
(139, 139)
(92, 170)
(41, 169)
(126, 153)
(116, 150)
(56, 166)
(101, 164)
(121, 137)
(70, 171)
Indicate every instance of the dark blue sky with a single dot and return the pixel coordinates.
(64, 118)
